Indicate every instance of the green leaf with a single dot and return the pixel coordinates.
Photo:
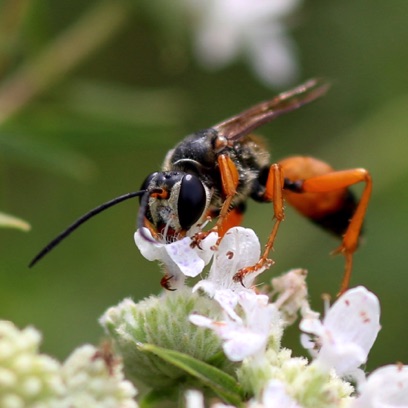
(222, 384)
(155, 397)
(9, 221)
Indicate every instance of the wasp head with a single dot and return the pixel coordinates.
(173, 202)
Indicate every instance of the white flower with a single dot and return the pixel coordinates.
(291, 294)
(386, 387)
(227, 28)
(249, 319)
(195, 399)
(94, 378)
(239, 248)
(27, 378)
(275, 396)
(247, 335)
(179, 258)
(89, 377)
(347, 332)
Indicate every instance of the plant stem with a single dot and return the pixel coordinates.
(65, 53)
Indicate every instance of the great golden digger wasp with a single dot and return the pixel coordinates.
(212, 173)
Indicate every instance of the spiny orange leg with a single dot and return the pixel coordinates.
(232, 219)
(339, 180)
(273, 192)
(229, 179)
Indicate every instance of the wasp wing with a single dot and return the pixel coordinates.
(245, 122)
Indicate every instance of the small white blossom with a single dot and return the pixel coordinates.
(247, 335)
(347, 333)
(227, 29)
(194, 399)
(275, 396)
(89, 377)
(386, 387)
(291, 294)
(239, 248)
(27, 377)
(179, 258)
(94, 378)
(248, 316)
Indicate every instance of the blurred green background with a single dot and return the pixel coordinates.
(93, 94)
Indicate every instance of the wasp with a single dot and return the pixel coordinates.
(213, 172)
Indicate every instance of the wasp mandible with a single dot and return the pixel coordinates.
(213, 172)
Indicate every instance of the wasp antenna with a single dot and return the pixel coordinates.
(82, 220)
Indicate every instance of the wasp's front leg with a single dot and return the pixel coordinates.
(227, 218)
(273, 192)
(165, 282)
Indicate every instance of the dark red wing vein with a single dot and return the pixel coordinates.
(264, 112)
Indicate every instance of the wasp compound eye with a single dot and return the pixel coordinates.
(191, 201)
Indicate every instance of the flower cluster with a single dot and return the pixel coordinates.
(88, 378)
(26, 377)
(216, 341)
(226, 337)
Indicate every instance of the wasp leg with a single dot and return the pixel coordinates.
(230, 180)
(226, 218)
(273, 192)
(233, 218)
(165, 282)
(340, 180)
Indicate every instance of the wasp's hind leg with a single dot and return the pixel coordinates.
(321, 194)
(273, 192)
(341, 180)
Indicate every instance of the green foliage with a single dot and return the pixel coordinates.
(91, 124)
(222, 384)
(162, 322)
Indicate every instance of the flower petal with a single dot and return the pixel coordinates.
(151, 251)
(228, 300)
(194, 399)
(347, 332)
(178, 256)
(355, 317)
(386, 387)
(239, 248)
(290, 291)
(246, 334)
(188, 261)
(275, 396)
(243, 344)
